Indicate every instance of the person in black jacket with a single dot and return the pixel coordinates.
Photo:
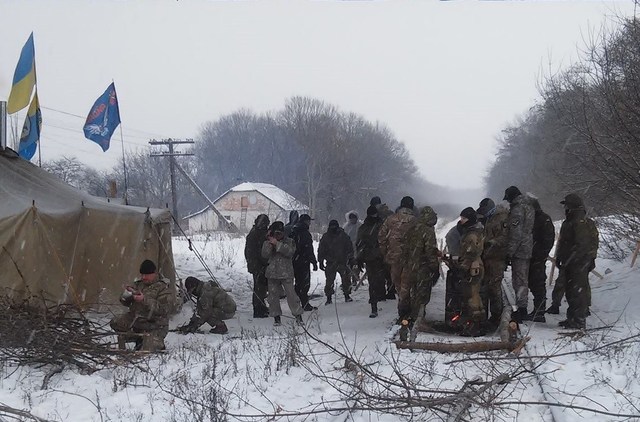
(336, 248)
(256, 265)
(303, 257)
(544, 235)
(368, 253)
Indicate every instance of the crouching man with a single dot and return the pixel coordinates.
(147, 321)
(213, 307)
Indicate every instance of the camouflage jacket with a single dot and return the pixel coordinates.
(280, 258)
(420, 249)
(383, 211)
(335, 247)
(520, 222)
(496, 232)
(253, 250)
(155, 305)
(579, 240)
(210, 298)
(367, 247)
(471, 247)
(392, 234)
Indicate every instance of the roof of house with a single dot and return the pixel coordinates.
(271, 192)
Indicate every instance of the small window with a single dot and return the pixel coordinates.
(244, 202)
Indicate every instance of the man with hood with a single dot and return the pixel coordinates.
(278, 250)
(471, 272)
(256, 265)
(293, 219)
(383, 213)
(303, 257)
(213, 307)
(544, 235)
(351, 229)
(519, 246)
(496, 230)
(422, 257)
(391, 239)
(576, 254)
(336, 248)
(368, 254)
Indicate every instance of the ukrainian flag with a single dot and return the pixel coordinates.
(24, 78)
(31, 130)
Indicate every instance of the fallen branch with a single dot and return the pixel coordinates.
(469, 347)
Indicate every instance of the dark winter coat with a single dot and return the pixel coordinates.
(253, 250)
(293, 219)
(304, 254)
(335, 247)
(452, 238)
(579, 240)
(520, 221)
(544, 235)
(496, 232)
(280, 258)
(367, 247)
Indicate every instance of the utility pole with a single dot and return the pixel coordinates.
(172, 153)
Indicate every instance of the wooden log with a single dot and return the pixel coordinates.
(469, 347)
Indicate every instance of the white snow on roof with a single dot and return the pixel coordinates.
(274, 193)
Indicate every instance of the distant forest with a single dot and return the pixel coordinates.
(333, 161)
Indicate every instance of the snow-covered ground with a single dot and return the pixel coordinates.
(261, 372)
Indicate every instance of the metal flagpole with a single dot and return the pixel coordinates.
(124, 161)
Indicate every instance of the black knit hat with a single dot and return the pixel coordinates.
(334, 223)
(486, 205)
(277, 226)
(511, 193)
(375, 201)
(573, 201)
(305, 218)
(147, 267)
(470, 214)
(191, 283)
(372, 211)
(407, 202)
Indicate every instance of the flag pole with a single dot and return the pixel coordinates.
(124, 162)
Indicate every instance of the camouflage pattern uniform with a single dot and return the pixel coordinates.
(256, 265)
(279, 274)
(336, 248)
(391, 237)
(471, 272)
(453, 295)
(519, 247)
(383, 213)
(151, 316)
(421, 254)
(368, 253)
(493, 257)
(214, 305)
(577, 250)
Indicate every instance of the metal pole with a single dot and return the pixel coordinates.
(3, 125)
(174, 199)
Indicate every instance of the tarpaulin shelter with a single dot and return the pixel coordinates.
(64, 245)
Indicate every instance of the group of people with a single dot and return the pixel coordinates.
(400, 254)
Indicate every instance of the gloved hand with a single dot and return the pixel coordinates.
(507, 262)
(592, 265)
(188, 328)
(322, 267)
(315, 266)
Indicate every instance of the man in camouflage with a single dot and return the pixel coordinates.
(384, 212)
(576, 254)
(391, 238)
(519, 247)
(213, 307)
(336, 248)
(453, 288)
(148, 300)
(256, 265)
(368, 254)
(544, 235)
(494, 255)
(471, 272)
(421, 254)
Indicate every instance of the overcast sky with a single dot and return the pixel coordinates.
(445, 77)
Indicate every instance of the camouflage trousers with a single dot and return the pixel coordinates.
(492, 287)
(520, 281)
(130, 329)
(401, 277)
(472, 308)
(278, 286)
(422, 284)
(560, 287)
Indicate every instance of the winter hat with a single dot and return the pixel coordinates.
(353, 215)
(147, 267)
(372, 211)
(407, 202)
(375, 201)
(511, 193)
(573, 201)
(262, 220)
(470, 214)
(191, 283)
(333, 223)
(277, 226)
(305, 218)
(485, 206)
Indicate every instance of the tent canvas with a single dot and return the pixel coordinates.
(67, 246)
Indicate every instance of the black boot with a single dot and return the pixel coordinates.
(277, 321)
(347, 298)
(524, 316)
(329, 301)
(374, 310)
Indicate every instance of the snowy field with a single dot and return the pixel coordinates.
(345, 367)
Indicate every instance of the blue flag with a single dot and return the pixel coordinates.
(103, 119)
(31, 130)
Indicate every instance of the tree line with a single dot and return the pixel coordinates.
(584, 136)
